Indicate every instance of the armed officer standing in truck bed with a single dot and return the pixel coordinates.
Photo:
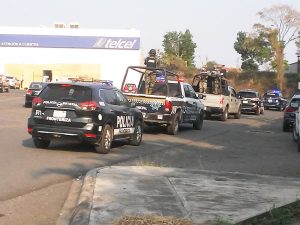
(150, 78)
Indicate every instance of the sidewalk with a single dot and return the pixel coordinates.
(111, 192)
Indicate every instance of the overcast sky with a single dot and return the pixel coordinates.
(214, 24)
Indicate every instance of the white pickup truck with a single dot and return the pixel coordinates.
(218, 97)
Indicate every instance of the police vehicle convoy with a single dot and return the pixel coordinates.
(163, 98)
(94, 113)
(218, 97)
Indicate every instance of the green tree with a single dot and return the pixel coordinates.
(254, 50)
(180, 45)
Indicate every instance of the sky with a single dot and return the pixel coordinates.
(213, 24)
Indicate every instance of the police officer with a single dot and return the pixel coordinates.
(150, 78)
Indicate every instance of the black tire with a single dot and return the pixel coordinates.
(298, 145)
(7, 90)
(172, 128)
(267, 108)
(238, 114)
(104, 144)
(207, 115)
(295, 134)
(27, 105)
(41, 143)
(137, 136)
(224, 115)
(199, 123)
(285, 127)
(257, 112)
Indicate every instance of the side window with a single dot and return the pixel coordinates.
(232, 92)
(108, 96)
(186, 91)
(192, 92)
(121, 99)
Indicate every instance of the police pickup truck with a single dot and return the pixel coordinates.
(163, 98)
(218, 97)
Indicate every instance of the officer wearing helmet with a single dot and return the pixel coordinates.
(150, 77)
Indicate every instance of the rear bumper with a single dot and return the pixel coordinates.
(86, 134)
(158, 118)
(249, 108)
(213, 110)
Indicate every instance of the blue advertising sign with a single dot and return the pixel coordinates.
(56, 41)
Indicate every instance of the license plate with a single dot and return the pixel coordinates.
(59, 113)
(270, 100)
(245, 101)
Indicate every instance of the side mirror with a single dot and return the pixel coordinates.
(132, 105)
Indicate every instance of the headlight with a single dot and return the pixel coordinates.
(276, 100)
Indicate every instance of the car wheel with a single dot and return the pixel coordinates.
(199, 123)
(104, 144)
(7, 90)
(295, 134)
(207, 115)
(137, 135)
(238, 114)
(174, 126)
(224, 115)
(27, 105)
(41, 143)
(285, 126)
(257, 111)
(267, 108)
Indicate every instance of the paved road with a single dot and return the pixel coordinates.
(35, 182)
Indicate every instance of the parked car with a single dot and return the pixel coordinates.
(274, 99)
(290, 113)
(33, 91)
(93, 113)
(14, 83)
(251, 102)
(4, 85)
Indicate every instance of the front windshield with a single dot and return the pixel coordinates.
(247, 94)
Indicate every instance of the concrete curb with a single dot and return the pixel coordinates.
(81, 214)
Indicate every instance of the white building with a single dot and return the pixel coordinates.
(59, 53)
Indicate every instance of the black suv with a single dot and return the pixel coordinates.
(251, 102)
(94, 113)
(274, 99)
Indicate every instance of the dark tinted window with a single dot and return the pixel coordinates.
(247, 94)
(271, 95)
(121, 99)
(66, 92)
(174, 89)
(295, 103)
(108, 96)
(37, 85)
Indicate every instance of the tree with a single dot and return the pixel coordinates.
(180, 45)
(281, 26)
(254, 50)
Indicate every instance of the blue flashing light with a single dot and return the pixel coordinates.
(160, 78)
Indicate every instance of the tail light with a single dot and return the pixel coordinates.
(37, 101)
(222, 101)
(88, 135)
(29, 130)
(168, 106)
(89, 105)
(289, 109)
(28, 92)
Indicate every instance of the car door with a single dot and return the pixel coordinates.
(233, 101)
(190, 107)
(125, 116)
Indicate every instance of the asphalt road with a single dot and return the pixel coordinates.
(35, 182)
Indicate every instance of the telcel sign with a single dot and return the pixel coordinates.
(116, 43)
(57, 41)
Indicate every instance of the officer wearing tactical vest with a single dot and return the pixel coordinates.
(150, 77)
